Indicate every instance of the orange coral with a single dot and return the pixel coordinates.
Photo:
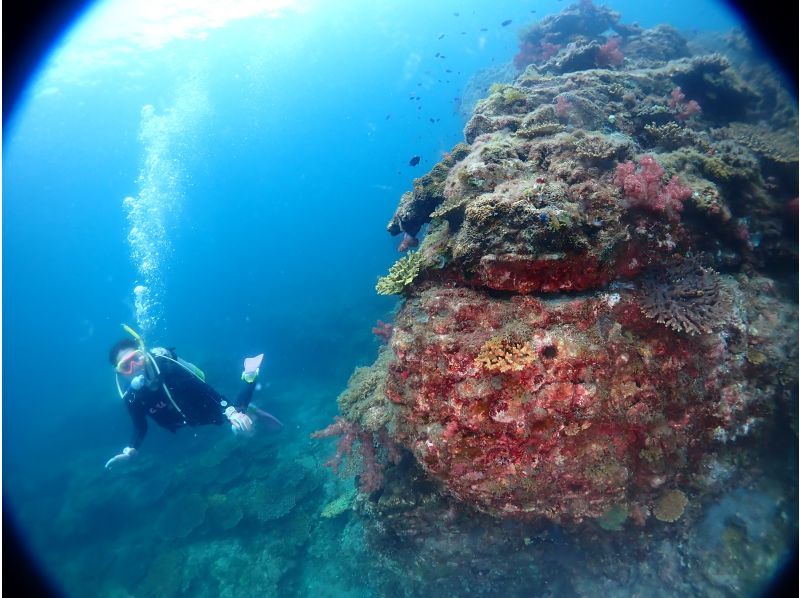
(502, 355)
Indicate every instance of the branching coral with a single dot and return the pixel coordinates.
(502, 355)
(685, 297)
(400, 275)
(371, 476)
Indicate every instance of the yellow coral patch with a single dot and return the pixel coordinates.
(501, 355)
(670, 506)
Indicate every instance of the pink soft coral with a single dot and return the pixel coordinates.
(643, 187)
(609, 53)
(683, 109)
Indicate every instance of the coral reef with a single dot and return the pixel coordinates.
(528, 436)
(583, 330)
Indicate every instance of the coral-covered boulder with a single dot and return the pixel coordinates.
(599, 300)
(563, 408)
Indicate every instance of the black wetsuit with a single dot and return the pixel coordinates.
(198, 403)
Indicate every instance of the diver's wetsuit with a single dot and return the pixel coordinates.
(199, 403)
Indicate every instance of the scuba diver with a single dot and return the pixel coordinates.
(174, 392)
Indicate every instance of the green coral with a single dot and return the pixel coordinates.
(338, 506)
(400, 275)
(508, 93)
(717, 169)
(364, 400)
(506, 99)
(614, 519)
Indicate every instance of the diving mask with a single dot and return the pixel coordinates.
(130, 362)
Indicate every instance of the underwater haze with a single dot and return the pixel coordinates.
(571, 368)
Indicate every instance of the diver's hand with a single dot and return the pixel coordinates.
(125, 455)
(138, 382)
(240, 422)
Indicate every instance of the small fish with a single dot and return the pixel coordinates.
(455, 14)
(414, 161)
(505, 23)
(442, 56)
(441, 36)
(437, 55)
(447, 71)
(463, 33)
(430, 119)
(388, 116)
(484, 29)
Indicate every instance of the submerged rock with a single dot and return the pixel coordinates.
(629, 174)
(602, 320)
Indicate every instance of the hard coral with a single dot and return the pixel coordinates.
(400, 275)
(502, 355)
(685, 297)
(670, 506)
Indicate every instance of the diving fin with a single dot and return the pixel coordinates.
(251, 366)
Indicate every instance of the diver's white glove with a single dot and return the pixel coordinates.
(125, 455)
(240, 422)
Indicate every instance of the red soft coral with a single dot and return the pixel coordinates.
(371, 474)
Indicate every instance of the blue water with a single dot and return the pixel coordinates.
(284, 144)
